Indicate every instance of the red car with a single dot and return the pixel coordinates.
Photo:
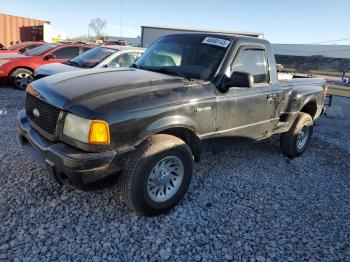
(17, 70)
(21, 47)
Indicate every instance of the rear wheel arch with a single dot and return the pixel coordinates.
(21, 67)
(10, 75)
(310, 107)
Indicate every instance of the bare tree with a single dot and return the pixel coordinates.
(97, 25)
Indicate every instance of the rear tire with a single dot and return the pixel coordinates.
(294, 142)
(157, 175)
(20, 78)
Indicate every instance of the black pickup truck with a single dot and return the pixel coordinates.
(148, 123)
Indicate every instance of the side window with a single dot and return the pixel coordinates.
(68, 52)
(254, 62)
(126, 59)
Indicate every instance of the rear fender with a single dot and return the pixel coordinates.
(299, 97)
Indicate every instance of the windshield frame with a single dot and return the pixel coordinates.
(215, 70)
(50, 45)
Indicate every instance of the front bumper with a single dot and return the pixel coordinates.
(3, 78)
(66, 164)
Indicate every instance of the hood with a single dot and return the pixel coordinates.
(55, 68)
(97, 92)
(11, 55)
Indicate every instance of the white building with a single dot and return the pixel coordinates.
(149, 34)
(51, 35)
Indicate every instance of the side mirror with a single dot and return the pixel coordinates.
(279, 67)
(239, 79)
(22, 50)
(49, 56)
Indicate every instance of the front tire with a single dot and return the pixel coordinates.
(20, 78)
(295, 141)
(157, 175)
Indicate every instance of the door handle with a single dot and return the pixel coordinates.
(271, 97)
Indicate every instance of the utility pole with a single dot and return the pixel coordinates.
(121, 18)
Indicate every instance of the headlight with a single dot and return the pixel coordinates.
(4, 61)
(85, 130)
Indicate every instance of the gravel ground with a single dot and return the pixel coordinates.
(249, 203)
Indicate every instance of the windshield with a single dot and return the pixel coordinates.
(195, 56)
(40, 49)
(92, 57)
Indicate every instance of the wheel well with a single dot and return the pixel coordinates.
(19, 67)
(310, 108)
(187, 135)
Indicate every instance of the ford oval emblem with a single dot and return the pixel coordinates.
(36, 112)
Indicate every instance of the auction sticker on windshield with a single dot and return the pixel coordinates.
(216, 41)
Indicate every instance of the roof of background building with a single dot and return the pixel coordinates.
(22, 17)
(129, 40)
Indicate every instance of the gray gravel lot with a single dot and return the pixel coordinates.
(249, 203)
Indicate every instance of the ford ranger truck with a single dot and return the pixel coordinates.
(147, 124)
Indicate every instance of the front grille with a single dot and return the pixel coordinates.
(42, 114)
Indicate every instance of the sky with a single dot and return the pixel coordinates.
(296, 21)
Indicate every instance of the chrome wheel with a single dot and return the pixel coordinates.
(165, 179)
(303, 137)
(22, 80)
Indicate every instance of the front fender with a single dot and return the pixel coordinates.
(25, 66)
(166, 123)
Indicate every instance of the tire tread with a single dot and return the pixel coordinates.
(287, 139)
(151, 144)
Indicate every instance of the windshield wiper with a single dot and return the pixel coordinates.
(135, 66)
(164, 71)
(168, 71)
(70, 62)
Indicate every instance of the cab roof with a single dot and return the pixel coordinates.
(122, 47)
(225, 36)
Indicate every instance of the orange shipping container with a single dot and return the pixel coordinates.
(20, 29)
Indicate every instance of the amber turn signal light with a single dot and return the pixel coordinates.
(99, 132)
(31, 90)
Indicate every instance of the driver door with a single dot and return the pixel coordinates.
(250, 112)
(65, 53)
